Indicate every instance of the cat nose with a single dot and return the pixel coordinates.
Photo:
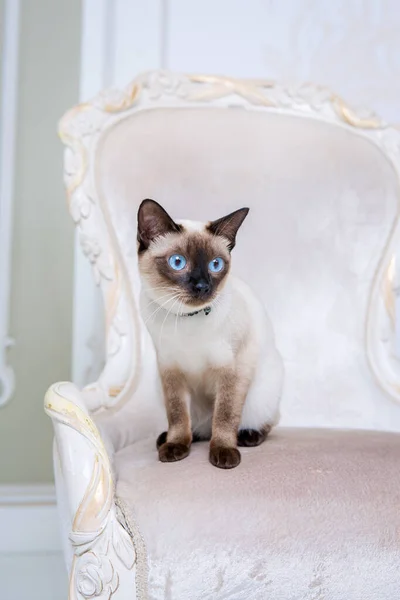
(202, 286)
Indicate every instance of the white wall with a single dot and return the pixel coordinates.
(352, 46)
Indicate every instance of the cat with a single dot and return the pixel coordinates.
(220, 371)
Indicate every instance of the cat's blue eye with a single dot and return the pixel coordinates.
(177, 262)
(216, 265)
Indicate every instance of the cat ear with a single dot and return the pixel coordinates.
(153, 222)
(228, 226)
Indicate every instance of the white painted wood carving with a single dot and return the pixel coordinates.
(9, 81)
(107, 557)
(104, 554)
(105, 50)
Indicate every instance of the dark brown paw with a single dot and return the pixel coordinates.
(170, 452)
(224, 458)
(252, 437)
(162, 438)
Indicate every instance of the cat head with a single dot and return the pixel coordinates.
(184, 262)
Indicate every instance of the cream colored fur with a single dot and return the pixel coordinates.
(236, 334)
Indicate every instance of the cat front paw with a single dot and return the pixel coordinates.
(253, 437)
(196, 437)
(224, 458)
(162, 438)
(171, 452)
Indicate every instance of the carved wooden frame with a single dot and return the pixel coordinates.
(106, 560)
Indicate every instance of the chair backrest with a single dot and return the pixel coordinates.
(322, 183)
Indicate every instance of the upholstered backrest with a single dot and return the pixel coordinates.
(318, 246)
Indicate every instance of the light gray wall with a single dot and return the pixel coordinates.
(41, 299)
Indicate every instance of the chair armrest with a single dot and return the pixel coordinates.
(103, 550)
(79, 445)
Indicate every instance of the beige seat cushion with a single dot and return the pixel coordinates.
(309, 515)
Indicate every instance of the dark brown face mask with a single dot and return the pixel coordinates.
(196, 262)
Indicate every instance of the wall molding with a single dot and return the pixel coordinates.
(9, 81)
(27, 495)
(29, 519)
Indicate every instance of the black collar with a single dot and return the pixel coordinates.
(205, 310)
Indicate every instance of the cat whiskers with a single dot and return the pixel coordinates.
(160, 287)
(216, 303)
(178, 314)
(166, 317)
(172, 296)
(171, 290)
(160, 298)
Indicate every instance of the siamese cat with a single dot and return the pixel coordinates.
(220, 371)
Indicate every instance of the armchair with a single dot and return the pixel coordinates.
(311, 513)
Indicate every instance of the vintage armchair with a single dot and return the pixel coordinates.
(313, 512)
